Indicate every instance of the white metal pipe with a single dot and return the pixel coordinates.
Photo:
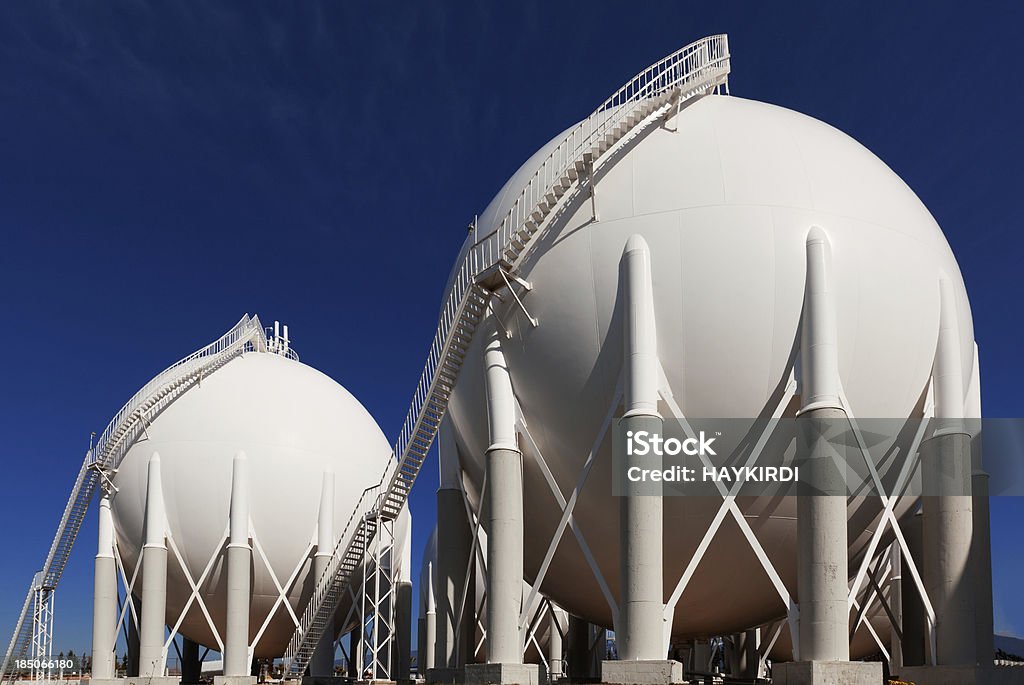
(819, 350)
(641, 517)
(504, 510)
(104, 615)
(154, 578)
(239, 562)
(321, 664)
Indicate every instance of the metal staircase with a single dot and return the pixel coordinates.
(102, 460)
(491, 264)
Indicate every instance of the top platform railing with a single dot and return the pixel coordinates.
(703, 62)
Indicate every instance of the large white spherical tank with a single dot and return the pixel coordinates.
(725, 203)
(294, 424)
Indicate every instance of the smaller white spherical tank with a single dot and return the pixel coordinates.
(294, 424)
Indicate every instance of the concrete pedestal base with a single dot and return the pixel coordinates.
(139, 680)
(319, 680)
(828, 673)
(502, 674)
(443, 676)
(963, 675)
(659, 672)
(235, 680)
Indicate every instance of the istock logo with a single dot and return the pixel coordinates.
(642, 443)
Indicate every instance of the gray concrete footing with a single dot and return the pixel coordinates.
(444, 676)
(828, 673)
(233, 680)
(323, 680)
(140, 680)
(502, 674)
(963, 675)
(642, 672)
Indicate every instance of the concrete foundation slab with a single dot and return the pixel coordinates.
(502, 674)
(443, 676)
(234, 680)
(828, 673)
(642, 672)
(963, 675)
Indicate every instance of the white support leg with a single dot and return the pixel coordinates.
(504, 512)
(822, 645)
(454, 547)
(981, 541)
(239, 563)
(640, 633)
(948, 518)
(152, 657)
(427, 655)
(321, 664)
(104, 614)
(557, 625)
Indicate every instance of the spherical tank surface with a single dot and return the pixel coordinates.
(724, 193)
(294, 424)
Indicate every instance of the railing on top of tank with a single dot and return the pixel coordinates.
(699, 65)
(247, 331)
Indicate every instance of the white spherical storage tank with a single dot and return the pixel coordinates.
(725, 193)
(294, 424)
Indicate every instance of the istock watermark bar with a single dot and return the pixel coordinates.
(800, 456)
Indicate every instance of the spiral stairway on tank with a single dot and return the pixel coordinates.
(490, 265)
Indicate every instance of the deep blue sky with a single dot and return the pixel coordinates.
(165, 167)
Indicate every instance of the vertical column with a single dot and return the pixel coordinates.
(948, 517)
(822, 568)
(104, 613)
(896, 607)
(641, 617)
(403, 629)
(453, 551)
(555, 649)
(426, 658)
(322, 662)
(981, 541)
(191, 666)
(239, 562)
(503, 511)
(579, 649)
(133, 637)
(154, 578)
(355, 650)
(913, 608)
